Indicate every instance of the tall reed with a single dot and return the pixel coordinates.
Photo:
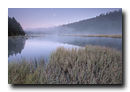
(89, 65)
(92, 65)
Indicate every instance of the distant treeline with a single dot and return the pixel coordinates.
(111, 22)
(14, 27)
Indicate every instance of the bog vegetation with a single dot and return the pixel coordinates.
(89, 65)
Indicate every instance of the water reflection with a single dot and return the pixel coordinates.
(115, 43)
(36, 48)
(42, 47)
(15, 45)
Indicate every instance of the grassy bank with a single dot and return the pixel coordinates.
(89, 65)
(100, 35)
(26, 36)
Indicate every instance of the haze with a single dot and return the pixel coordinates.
(30, 18)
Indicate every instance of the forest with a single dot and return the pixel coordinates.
(14, 27)
(109, 23)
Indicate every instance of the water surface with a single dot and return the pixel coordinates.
(41, 47)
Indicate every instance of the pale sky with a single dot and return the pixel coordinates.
(48, 17)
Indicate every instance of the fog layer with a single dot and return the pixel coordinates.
(109, 23)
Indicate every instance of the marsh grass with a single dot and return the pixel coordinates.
(92, 65)
(89, 65)
(19, 70)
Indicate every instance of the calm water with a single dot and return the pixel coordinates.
(41, 47)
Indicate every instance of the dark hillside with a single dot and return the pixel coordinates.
(109, 23)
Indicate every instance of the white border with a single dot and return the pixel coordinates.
(5, 4)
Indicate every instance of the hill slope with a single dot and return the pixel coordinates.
(110, 23)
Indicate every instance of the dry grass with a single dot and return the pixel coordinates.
(100, 35)
(89, 65)
(92, 65)
(19, 71)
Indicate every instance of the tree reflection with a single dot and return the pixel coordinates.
(15, 45)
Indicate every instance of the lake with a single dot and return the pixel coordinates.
(41, 47)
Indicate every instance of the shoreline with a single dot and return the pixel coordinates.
(26, 36)
(99, 35)
(92, 35)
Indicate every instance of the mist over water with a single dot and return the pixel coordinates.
(71, 31)
(42, 47)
